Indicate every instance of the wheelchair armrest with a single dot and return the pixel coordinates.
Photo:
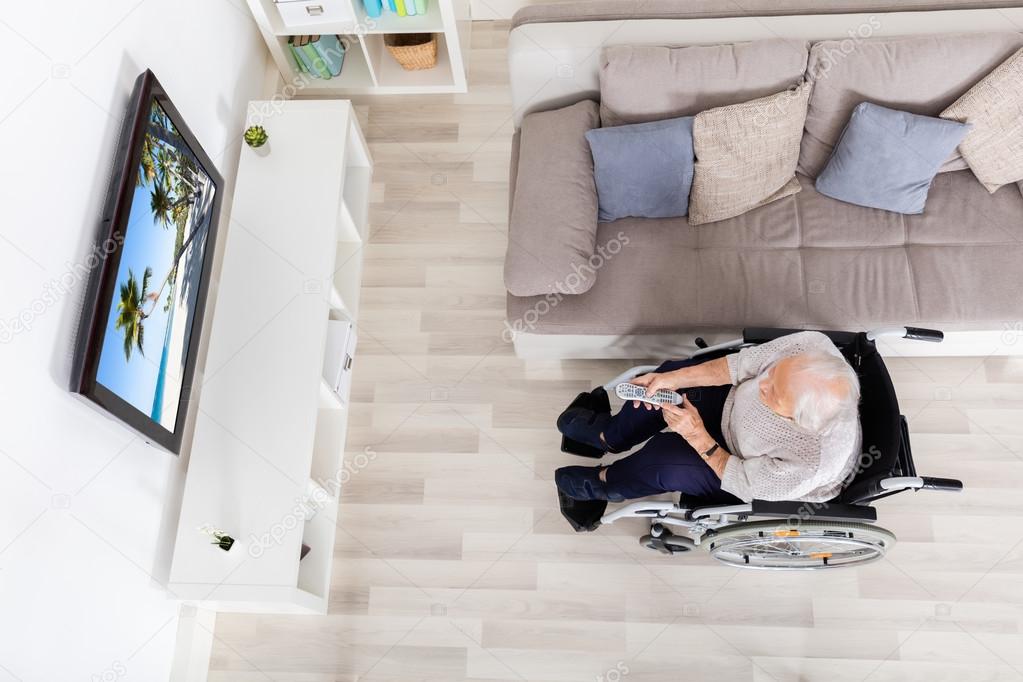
(899, 483)
(813, 511)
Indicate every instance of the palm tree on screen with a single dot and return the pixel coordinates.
(130, 315)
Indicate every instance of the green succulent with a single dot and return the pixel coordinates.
(255, 136)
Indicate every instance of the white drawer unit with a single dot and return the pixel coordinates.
(306, 13)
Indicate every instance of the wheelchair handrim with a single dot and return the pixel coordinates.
(768, 546)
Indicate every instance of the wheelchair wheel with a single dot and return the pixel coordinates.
(801, 546)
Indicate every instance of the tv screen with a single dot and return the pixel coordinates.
(144, 309)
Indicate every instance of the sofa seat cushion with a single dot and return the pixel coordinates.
(806, 261)
(641, 83)
(960, 211)
(919, 74)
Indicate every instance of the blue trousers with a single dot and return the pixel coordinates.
(666, 463)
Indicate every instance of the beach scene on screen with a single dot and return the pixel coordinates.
(147, 335)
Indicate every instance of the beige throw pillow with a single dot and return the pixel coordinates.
(746, 155)
(994, 146)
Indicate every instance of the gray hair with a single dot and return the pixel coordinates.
(825, 386)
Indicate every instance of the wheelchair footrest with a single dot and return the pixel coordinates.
(574, 447)
(582, 515)
(819, 511)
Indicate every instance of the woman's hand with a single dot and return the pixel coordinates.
(686, 421)
(655, 382)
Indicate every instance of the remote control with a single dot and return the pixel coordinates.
(634, 392)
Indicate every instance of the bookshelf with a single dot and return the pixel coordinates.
(368, 66)
(267, 460)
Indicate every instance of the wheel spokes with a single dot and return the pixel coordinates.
(795, 549)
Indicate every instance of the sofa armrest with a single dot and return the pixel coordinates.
(552, 226)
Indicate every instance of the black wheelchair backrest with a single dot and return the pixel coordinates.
(880, 421)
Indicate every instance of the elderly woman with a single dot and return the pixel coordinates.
(778, 421)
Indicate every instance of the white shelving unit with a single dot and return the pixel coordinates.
(368, 66)
(267, 456)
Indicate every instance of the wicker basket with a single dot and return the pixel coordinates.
(414, 51)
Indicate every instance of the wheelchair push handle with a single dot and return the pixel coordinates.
(912, 333)
(921, 334)
(949, 484)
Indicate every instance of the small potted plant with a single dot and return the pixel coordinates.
(220, 538)
(257, 138)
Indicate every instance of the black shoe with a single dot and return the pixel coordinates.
(599, 400)
(596, 401)
(583, 483)
(582, 423)
(580, 483)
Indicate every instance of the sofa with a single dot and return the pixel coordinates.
(804, 261)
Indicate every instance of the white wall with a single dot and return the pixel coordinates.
(87, 510)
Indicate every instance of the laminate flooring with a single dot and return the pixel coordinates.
(452, 562)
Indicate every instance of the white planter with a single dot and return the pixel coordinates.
(262, 150)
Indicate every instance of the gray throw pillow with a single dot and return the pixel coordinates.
(643, 170)
(887, 158)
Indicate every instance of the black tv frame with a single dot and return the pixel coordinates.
(102, 282)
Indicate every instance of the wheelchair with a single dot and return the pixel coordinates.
(801, 535)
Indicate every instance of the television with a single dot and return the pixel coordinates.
(138, 338)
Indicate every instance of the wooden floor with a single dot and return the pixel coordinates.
(452, 562)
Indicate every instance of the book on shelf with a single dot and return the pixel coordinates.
(373, 7)
(332, 51)
(295, 46)
(319, 68)
(319, 56)
(403, 8)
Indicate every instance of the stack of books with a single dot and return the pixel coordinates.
(403, 8)
(319, 56)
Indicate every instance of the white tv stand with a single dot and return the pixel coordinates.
(269, 436)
